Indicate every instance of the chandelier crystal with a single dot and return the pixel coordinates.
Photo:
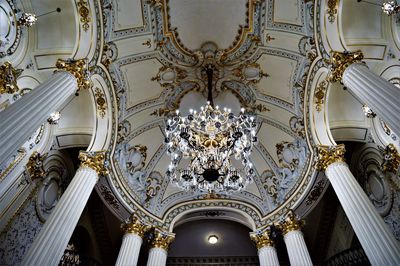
(217, 145)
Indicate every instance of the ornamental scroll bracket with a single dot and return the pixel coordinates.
(8, 78)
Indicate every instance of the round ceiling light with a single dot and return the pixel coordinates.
(213, 239)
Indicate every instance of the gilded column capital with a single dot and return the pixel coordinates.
(35, 165)
(94, 160)
(328, 155)
(136, 226)
(339, 61)
(391, 159)
(78, 68)
(162, 240)
(291, 223)
(262, 239)
(8, 78)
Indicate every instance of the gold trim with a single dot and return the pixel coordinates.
(83, 10)
(319, 95)
(392, 159)
(328, 155)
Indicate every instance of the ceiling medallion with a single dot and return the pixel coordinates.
(212, 148)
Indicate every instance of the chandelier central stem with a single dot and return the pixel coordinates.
(210, 73)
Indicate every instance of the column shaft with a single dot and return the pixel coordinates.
(375, 237)
(20, 120)
(48, 247)
(268, 256)
(379, 94)
(157, 257)
(129, 252)
(297, 249)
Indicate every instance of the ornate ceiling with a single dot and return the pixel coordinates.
(261, 51)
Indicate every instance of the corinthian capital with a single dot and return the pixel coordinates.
(94, 160)
(291, 223)
(328, 155)
(78, 68)
(339, 61)
(162, 240)
(136, 227)
(391, 159)
(262, 239)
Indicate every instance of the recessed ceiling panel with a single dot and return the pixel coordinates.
(200, 21)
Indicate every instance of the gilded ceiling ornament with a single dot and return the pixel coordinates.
(162, 112)
(262, 239)
(268, 38)
(391, 159)
(249, 72)
(8, 78)
(135, 226)
(35, 165)
(291, 223)
(83, 10)
(319, 95)
(167, 76)
(94, 160)
(339, 61)
(147, 43)
(100, 102)
(162, 240)
(332, 10)
(328, 155)
(259, 108)
(78, 68)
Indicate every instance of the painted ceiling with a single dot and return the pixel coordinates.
(261, 52)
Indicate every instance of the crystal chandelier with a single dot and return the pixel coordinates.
(214, 146)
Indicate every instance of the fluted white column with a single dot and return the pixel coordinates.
(20, 120)
(133, 238)
(379, 94)
(48, 247)
(157, 257)
(297, 249)
(268, 256)
(159, 250)
(130, 248)
(375, 237)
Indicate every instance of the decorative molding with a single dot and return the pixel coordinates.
(332, 10)
(391, 159)
(8, 78)
(94, 160)
(135, 226)
(35, 165)
(339, 61)
(328, 155)
(78, 68)
(250, 72)
(109, 197)
(100, 102)
(319, 95)
(316, 192)
(83, 10)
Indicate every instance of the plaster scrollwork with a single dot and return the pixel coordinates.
(124, 128)
(297, 126)
(8, 78)
(319, 95)
(58, 173)
(110, 54)
(271, 183)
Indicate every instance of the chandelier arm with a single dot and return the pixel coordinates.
(210, 72)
